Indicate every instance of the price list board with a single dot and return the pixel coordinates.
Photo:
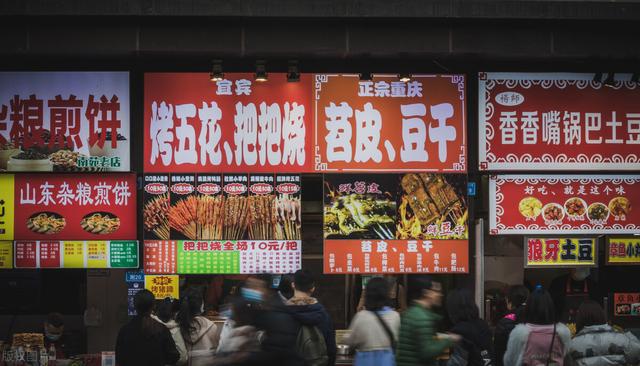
(75, 254)
(123, 254)
(6, 254)
(222, 256)
(159, 256)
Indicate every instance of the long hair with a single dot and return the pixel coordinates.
(143, 303)
(190, 307)
(517, 296)
(540, 309)
(589, 313)
(376, 294)
(461, 306)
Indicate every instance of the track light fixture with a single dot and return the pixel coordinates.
(405, 78)
(366, 76)
(293, 74)
(261, 72)
(610, 81)
(216, 71)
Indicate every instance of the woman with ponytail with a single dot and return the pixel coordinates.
(199, 333)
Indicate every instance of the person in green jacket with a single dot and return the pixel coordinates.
(418, 345)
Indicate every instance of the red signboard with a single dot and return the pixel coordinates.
(567, 204)
(558, 122)
(626, 304)
(389, 125)
(75, 207)
(26, 254)
(396, 256)
(192, 124)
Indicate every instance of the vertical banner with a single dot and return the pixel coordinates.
(135, 283)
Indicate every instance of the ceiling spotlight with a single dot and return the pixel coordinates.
(261, 72)
(216, 71)
(405, 78)
(597, 77)
(610, 81)
(635, 77)
(293, 75)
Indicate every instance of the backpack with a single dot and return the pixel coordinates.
(543, 348)
(311, 346)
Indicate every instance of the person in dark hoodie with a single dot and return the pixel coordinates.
(475, 348)
(516, 299)
(144, 341)
(309, 312)
(273, 318)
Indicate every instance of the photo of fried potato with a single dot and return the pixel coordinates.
(101, 223)
(620, 207)
(530, 207)
(575, 207)
(46, 223)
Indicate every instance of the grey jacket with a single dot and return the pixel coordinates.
(601, 345)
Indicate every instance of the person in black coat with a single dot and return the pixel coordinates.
(475, 344)
(516, 299)
(144, 341)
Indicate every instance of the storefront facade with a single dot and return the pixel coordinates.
(180, 143)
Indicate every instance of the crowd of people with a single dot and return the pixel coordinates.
(290, 327)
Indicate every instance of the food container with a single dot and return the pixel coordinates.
(343, 350)
(23, 165)
(5, 155)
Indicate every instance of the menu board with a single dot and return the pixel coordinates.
(623, 251)
(75, 254)
(64, 121)
(72, 207)
(527, 122)
(6, 206)
(387, 125)
(626, 304)
(564, 204)
(160, 256)
(395, 223)
(163, 286)
(6, 254)
(213, 206)
(233, 125)
(561, 252)
(396, 256)
(226, 256)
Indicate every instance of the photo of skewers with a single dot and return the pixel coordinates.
(289, 220)
(212, 212)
